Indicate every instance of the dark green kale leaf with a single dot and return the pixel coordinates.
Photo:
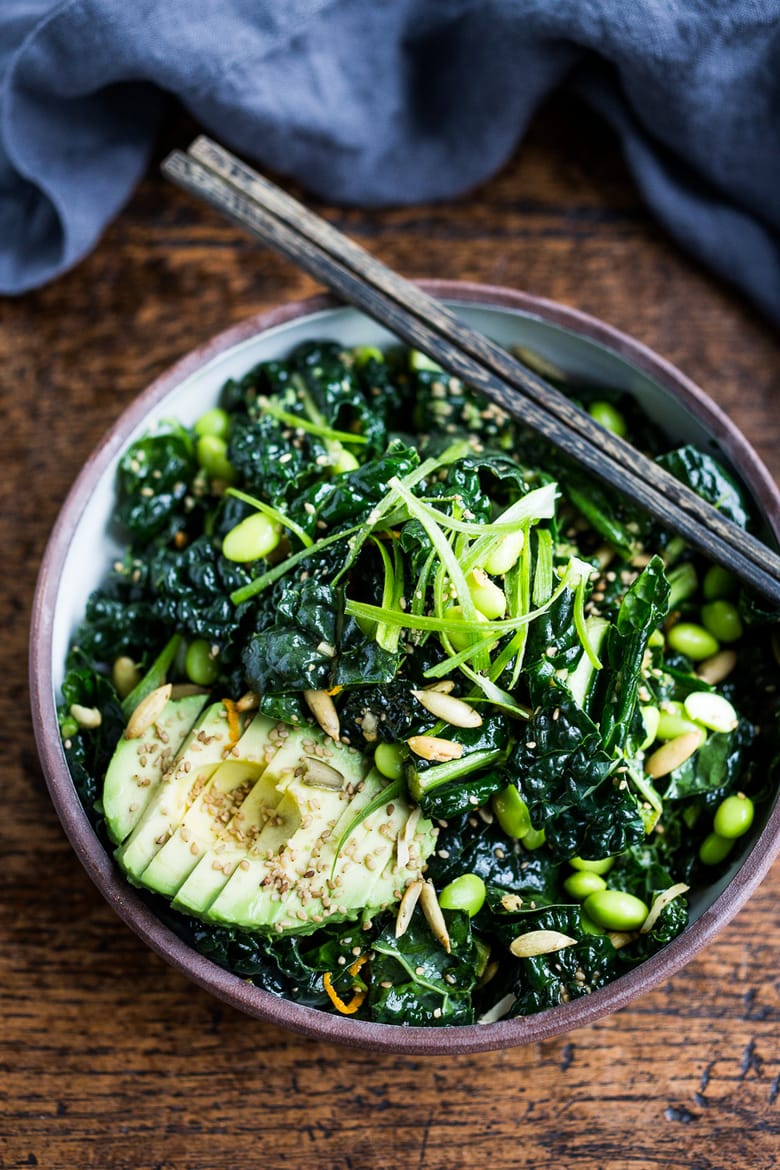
(337, 392)
(270, 465)
(89, 751)
(714, 769)
(705, 476)
(236, 950)
(153, 481)
(641, 612)
(463, 794)
(568, 783)
(468, 844)
(428, 986)
(544, 981)
(303, 960)
(120, 617)
(349, 497)
(307, 647)
(192, 588)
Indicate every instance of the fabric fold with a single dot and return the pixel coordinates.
(389, 103)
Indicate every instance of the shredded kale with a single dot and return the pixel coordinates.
(398, 495)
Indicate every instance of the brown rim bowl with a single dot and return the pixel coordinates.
(80, 550)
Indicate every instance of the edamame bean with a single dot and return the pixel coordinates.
(68, 728)
(214, 422)
(460, 640)
(363, 354)
(582, 883)
(466, 892)
(672, 721)
(692, 640)
(722, 620)
(718, 582)
(615, 910)
(734, 816)
(534, 839)
(505, 554)
(345, 461)
(389, 760)
(711, 711)
(488, 597)
(609, 417)
(200, 664)
(600, 865)
(511, 812)
(211, 452)
(253, 538)
(715, 849)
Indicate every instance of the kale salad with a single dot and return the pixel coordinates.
(392, 710)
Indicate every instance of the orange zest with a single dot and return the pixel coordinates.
(232, 718)
(346, 1009)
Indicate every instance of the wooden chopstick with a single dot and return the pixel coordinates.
(228, 184)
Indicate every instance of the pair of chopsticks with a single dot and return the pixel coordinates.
(222, 180)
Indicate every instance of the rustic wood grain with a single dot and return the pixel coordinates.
(111, 1060)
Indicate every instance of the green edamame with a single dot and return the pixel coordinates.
(466, 892)
(389, 760)
(600, 865)
(200, 663)
(722, 620)
(673, 721)
(582, 883)
(616, 910)
(214, 422)
(211, 452)
(511, 812)
(609, 417)
(460, 640)
(711, 711)
(505, 554)
(693, 641)
(715, 849)
(251, 539)
(734, 816)
(534, 839)
(488, 597)
(718, 582)
(344, 461)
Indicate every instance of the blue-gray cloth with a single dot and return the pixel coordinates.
(381, 102)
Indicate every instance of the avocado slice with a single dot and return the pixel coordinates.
(204, 748)
(305, 883)
(366, 876)
(307, 808)
(137, 765)
(220, 801)
(264, 833)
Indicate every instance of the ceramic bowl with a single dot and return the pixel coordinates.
(81, 549)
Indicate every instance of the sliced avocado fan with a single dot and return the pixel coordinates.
(249, 829)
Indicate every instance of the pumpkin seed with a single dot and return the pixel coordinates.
(148, 711)
(673, 753)
(431, 747)
(324, 711)
(449, 708)
(540, 942)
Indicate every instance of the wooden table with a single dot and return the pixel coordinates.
(111, 1059)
